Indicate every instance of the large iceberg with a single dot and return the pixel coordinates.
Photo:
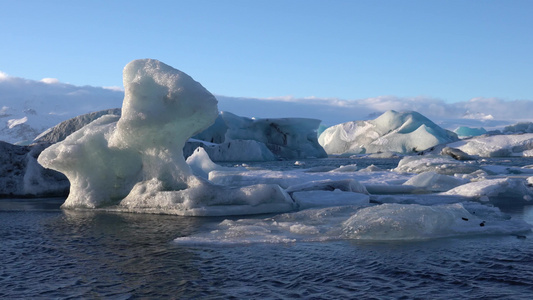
(401, 132)
(263, 139)
(135, 162)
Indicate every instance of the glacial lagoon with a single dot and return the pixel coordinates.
(47, 252)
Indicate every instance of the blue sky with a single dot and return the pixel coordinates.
(449, 50)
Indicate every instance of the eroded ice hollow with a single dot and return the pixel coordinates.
(135, 162)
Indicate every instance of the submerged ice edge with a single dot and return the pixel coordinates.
(386, 222)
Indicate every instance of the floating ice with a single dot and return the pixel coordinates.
(136, 161)
(455, 153)
(433, 182)
(499, 191)
(377, 223)
(292, 178)
(432, 163)
(263, 139)
(307, 199)
(522, 127)
(498, 145)
(235, 150)
(413, 222)
(464, 131)
(404, 132)
(201, 164)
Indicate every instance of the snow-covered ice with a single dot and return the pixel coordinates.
(400, 132)
(497, 145)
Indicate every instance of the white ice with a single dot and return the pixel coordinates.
(400, 132)
(136, 162)
(433, 163)
(434, 182)
(201, 164)
(499, 191)
(498, 145)
(384, 222)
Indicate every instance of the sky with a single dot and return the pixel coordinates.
(453, 50)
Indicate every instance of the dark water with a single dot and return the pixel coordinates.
(46, 252)
(49, 253)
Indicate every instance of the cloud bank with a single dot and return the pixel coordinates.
(28, 107)
(487, 112)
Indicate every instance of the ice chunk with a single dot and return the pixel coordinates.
(439, 164)
(99, 175)
(522, 127)
(136, 161)
(239, 151)
(372, 168)
(203, 198)
(307, 199)
(464, 131)
(346, 168)
(347, 185)
(404, 132)
(382, 222)
(201, 164)
(500, 191)
(497, 145)
(286, 138)
(415, 222)
(456, 153)
(433, 182)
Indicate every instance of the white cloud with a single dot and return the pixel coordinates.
(488, 112)
(3, 75)
(50, 80)
(114, 88)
